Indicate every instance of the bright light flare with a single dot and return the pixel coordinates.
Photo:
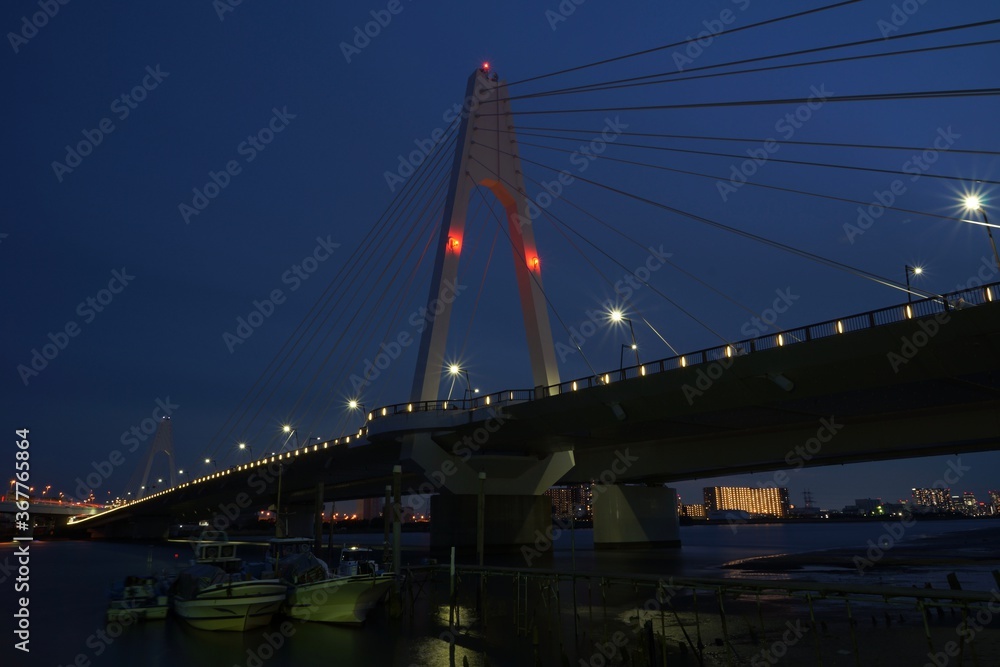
(454, 369)
(286, 428)
(616, 315)
(972, 203)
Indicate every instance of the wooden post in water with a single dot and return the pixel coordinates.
(397, 511)
(386, 513)
(481, 517)
(318, 525)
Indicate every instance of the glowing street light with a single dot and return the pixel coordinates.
(292, 433)
(455, 370)
(355, 404)
(972, 203)
(617, 317)
(911, 270)
(212, 462)
(247, 447)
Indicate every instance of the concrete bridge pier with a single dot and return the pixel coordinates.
(511, 521)
(301, 520)
(514, 511)
(635, 517)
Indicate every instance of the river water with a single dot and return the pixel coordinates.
(69, 581)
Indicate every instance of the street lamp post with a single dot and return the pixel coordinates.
(247, 447)
(617, 316)
(972, 203)
(212, 461)
(291, 433)
(908, 270)
(355, 404)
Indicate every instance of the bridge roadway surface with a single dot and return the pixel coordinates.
(887, 387)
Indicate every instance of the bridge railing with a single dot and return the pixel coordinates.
(722, 354)
(466, 403)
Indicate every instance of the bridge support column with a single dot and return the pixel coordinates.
(511, 521)
(635, 517)
(296, 521)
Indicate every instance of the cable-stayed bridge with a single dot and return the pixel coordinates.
(919, 375)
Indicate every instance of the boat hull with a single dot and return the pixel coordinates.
(129, 611)
(344, 600)
(233, 607)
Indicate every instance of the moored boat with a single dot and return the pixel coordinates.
(139, 598)
(315, 595)
(216, 594)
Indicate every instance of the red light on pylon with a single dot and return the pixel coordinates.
(535, 263)
(486, 67)
(453, 244)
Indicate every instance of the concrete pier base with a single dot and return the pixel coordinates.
(510, 522)
(635, 517)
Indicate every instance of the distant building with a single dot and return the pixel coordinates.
(868, 506)
(693, 511)
(970, 505)
(931, 500)
(995, 501)
(768, 501)
(571, 501)
(371, 508)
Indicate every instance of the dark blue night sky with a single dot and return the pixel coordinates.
(172, 168)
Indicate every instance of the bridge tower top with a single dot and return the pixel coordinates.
(163, 441)
(486, 155)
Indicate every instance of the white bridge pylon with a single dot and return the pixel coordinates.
(486, 155)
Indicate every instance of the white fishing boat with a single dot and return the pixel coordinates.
(315, 595)
(215, 593)
(139, 598)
